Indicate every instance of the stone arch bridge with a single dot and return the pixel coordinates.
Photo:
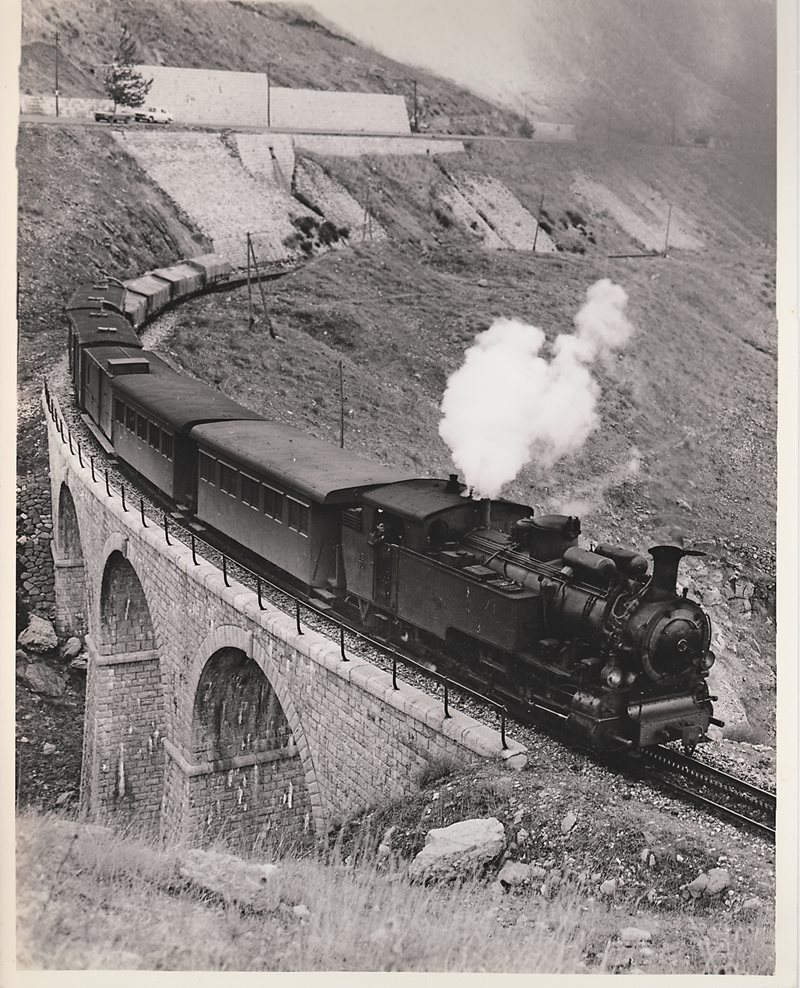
(208, 717)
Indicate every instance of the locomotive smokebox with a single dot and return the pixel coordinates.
(664, 581)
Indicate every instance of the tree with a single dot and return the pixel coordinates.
(123, 83)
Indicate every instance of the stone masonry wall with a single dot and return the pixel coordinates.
(356, 738)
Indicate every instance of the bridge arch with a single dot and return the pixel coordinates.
(69, 567)
(124, 723)
(254, 777)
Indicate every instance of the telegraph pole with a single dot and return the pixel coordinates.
(416, 116)
(268, 94)
(341, 406)
(57, 73)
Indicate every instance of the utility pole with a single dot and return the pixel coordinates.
(416, 117)
(57, 73)
(341, 406)
(666, 236)
(538, 220)
(249, 288)
(269, 86)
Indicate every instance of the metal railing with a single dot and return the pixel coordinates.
(190, 540)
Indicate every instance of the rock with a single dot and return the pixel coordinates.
(228, 876)
(41, 678)
(518, 816)
(482, 282)
(751, 905)
(80, 664)
(609, 887)
(65, 797)
(40, 636)
(383, 851)
(631, 935)
(48, 748)
(514, 873)
(537, 872)
(718, 881)
(697, 887)
(683, 504)
(70, 649)
(301, 911)
(497, 889)
(568, 822)
(646, 951)
(522, 836)
(459, 849)
(21, 656)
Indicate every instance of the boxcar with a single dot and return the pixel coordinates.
(183, 279)
(157, 291)
(99, 296)
(153, 418)
(89, 328)
(280, 492)
(215, 269)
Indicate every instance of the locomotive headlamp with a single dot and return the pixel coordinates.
(708, 660)
(612, 676)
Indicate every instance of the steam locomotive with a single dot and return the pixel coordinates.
(487, 590)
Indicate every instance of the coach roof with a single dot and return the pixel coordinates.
(310, 466)
(178, 400)
(91, 327)
(97, 296)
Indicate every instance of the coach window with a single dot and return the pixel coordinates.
(141, 427)
(119, 411)
(249, 491)
(273, 503)
(130, 419)
(166, 444)
(298, 516)
(207, 469)
(155, 436)
(227, 480)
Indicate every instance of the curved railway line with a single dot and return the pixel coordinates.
(684, 777)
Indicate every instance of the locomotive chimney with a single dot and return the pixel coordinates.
(664, 581)
(486, 513)
(452, 486)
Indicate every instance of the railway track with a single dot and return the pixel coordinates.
(687, 778)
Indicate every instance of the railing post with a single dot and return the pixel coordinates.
(141, 508)
(503, 728)
(69, 439)
(341, 643)
(225, 569)
(91, 460)
(194, 552)
(297, 615)
(108, 488)
(122, 495)
(166, 528)
(258, 592)
(80, 458)
(394, 671)
(446, 698)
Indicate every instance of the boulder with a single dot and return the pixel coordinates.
(568, 822)
(718, 880)
(227, 876)
(39, 636)
(460, 849)
(514, 873)
(608, 887)
(79, 663)
(48, 748)
(631, 935)
(70, 649)
(697, 887)
(42, 679)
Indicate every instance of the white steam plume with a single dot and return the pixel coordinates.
(509, 404)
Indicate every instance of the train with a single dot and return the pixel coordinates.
(597, 639)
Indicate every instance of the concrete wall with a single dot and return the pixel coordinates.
(155, 621)
(240, 99)
(348, 147)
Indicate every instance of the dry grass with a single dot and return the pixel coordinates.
(90, 899)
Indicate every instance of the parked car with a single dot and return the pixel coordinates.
(122, 114)
(153, 114)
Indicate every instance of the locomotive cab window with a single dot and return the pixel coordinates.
(227, 480)
(298, 516)
(273, 503)
(249, 491)
(206, 467)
